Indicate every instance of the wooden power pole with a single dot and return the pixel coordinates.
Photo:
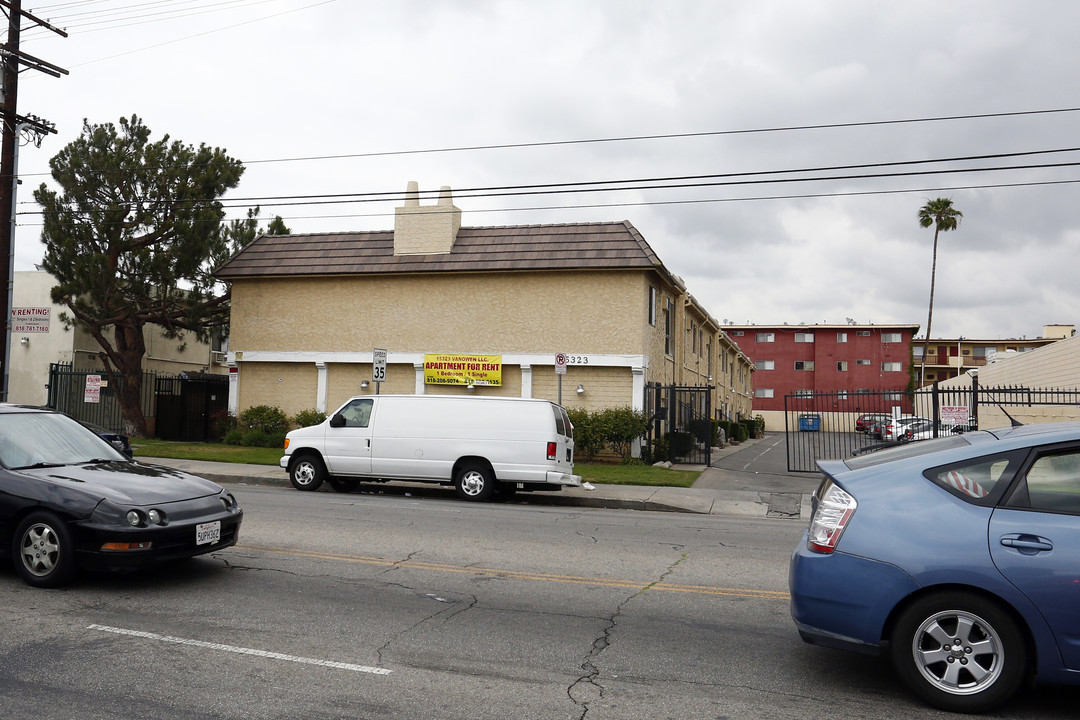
(14, 125)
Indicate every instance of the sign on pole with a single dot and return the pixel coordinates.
(378, 367)
(560, 364)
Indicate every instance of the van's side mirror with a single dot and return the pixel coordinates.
(337, 420)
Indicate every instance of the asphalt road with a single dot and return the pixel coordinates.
(361, 606)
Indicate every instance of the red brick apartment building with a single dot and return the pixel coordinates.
(808, 359)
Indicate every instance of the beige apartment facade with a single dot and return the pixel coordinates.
(948, 358)
(1052, 367)
(310, 311)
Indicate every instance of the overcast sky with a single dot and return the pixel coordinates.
(324, 98)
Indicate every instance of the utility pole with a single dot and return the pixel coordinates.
(15, 125)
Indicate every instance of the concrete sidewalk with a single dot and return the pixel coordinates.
(703, 500)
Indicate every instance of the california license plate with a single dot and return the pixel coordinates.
(208, 533)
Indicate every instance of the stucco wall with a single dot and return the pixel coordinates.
(584, 312)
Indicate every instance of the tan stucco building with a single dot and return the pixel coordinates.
(309, 311)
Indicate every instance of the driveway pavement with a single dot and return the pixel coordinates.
(749, 479)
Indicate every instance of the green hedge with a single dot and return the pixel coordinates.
(611, 428)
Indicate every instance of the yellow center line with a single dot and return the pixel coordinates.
(518, 574)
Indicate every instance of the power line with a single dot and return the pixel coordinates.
(696, 201)
(668, 136)
(664, 183)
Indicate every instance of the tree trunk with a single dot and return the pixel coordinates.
(930, 314)
(127, 354)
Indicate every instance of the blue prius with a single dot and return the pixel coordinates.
(959, 558)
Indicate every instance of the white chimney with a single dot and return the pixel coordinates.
(425, 230)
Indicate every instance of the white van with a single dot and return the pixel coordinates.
(479, 445)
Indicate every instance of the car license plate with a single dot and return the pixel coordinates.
(208, 533)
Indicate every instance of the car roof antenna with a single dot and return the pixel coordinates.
(1014, 421)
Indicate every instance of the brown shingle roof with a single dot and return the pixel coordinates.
(593, 246)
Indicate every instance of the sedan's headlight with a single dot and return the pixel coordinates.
(156, 516)
(228, 500)
(134, 518)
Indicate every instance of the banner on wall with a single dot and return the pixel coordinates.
(462, 369)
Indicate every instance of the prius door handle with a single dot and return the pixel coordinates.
(1031, 543)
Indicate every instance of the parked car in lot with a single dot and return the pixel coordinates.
(957, 557)
(893, 429)
(69, 500)
(865, 422)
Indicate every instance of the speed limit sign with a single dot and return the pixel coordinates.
(378, 365)
(560, 364)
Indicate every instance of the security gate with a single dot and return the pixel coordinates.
(682, 415)
(822, 426)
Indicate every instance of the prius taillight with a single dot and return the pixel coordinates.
(553, 450)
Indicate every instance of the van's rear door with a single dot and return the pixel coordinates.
(565, 432)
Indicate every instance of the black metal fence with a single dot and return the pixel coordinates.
(824, 425)
(72, 390)
(683, 415)
(183, 406)
(188, 404)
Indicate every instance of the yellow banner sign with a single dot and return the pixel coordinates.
(463, 369)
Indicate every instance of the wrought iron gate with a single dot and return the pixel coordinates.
(682, 415)
(824, 425)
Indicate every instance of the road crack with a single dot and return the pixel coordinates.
(588, 688)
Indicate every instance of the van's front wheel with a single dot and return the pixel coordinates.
(474, 481)
(307, 472)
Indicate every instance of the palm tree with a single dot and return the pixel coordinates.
(943, 216)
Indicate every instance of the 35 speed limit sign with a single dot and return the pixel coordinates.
(378, 365)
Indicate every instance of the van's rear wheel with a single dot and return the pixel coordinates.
(307, 472)
(474, 481)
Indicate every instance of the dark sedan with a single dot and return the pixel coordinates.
(69, 500)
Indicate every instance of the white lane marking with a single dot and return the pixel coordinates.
(241, 650)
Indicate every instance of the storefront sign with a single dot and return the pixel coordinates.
(463, 369)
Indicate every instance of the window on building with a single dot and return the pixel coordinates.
(841, 395)
(803, 392)
(890, 367)
(668, 344)
(841, 337)
(804, 337)
(766, 337)
(765, 365)
(763, 392)
(986, 351)
(804, 364)
(862, 362)
(693, 338)
(701, 340)
(862, 333)
(916, 351)
(841, 365)
(737, 333)
(652, 306)
(891, 337)
(894, 396)
(863, 391)
(708, 355)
